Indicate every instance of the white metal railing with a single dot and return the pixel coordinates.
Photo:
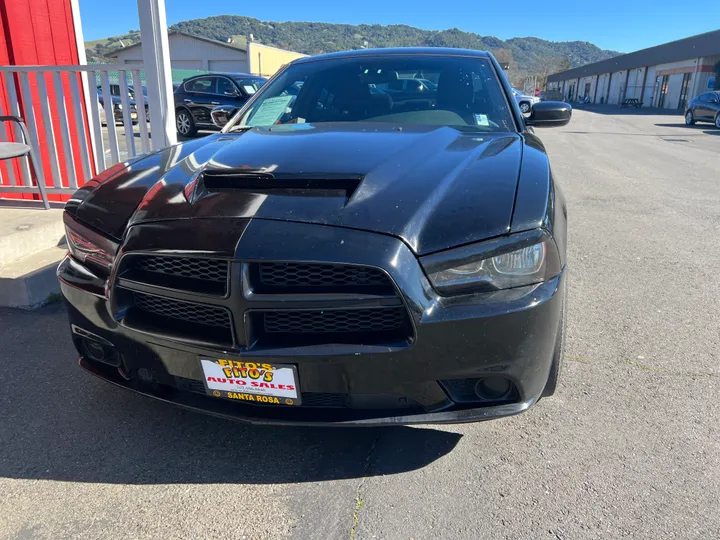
(85, 147)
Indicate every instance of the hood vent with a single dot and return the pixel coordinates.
(306, 184)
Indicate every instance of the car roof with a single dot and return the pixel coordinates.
(396, 51)
(224, 74)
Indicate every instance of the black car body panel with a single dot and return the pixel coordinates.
(335, 200)
(455, 167)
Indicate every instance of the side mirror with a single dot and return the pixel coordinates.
(549, 114)
(221, 115)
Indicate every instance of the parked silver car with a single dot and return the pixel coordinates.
(524, 101)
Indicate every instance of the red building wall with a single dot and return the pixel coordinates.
(41, 32)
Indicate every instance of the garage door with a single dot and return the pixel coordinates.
(232, 66)
(186, 64)
(616, 86)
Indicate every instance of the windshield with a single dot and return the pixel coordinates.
(432, 90)
(250, 85)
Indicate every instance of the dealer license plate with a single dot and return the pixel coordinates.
(255, 382)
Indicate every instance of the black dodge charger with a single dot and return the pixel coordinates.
(333, 256)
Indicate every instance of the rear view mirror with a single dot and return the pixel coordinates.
(221, 115)
(549, 114)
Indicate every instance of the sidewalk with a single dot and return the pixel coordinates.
(31, 246)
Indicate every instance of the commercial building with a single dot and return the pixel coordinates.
(666, 76)
(193, 53)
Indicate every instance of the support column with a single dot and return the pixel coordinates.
(156, 59)
(642, 92)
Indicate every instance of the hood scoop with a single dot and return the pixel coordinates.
(274, 183)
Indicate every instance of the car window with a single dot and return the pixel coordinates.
(250, 85)
(226, 87)
(468, 93)
(201, 84)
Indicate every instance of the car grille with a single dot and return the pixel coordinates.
(281, 277)
(176, 318)
(154, 294)
(335, 321)
(208, 269)
(186, 311)
(182, 273)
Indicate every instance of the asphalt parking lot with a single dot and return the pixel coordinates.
(628, 448)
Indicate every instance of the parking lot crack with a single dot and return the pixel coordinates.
(359, 500)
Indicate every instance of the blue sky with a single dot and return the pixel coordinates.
(610, 24)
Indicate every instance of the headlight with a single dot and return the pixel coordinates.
(503, 263)
(88, 247)
(118, 106)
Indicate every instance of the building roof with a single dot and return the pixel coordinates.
(176, 33)
(707, 44)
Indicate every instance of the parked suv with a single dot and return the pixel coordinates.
(704, 108)
(197, 96)
(524, 101)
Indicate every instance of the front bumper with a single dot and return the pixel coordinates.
(510, 334)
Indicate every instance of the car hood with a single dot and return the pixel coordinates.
(434, 187)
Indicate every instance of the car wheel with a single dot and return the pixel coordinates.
(717, 121)
(185, 123)
(525, 107)
(558, 356)
(689, 118)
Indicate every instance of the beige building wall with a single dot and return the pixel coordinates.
(266, 61)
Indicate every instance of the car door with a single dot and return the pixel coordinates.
(228, 93)
(702, 107)
(200, 98)
(713, 105)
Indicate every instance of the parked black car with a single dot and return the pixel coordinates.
(197, 96)
(332, 258)
(704, 108)
(117, 105)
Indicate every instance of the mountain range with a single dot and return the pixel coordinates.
(526, 55)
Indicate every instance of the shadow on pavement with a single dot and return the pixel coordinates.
(60, 423)
(694, 129)
(629, 111)
(622, 134)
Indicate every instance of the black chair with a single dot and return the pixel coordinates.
(13, 150)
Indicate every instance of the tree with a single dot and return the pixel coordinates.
(547, 65)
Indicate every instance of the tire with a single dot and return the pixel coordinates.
(717, 121)
(558, 356)
(689, 118)
(524, 107)
(184, 123)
